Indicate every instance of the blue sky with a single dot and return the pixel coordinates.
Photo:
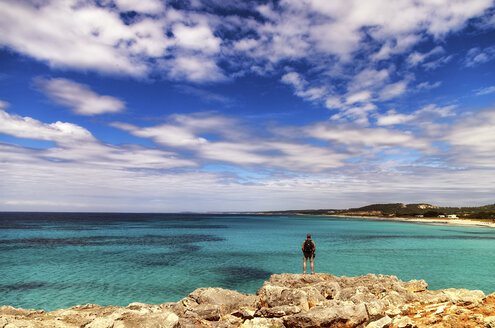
(207, 105)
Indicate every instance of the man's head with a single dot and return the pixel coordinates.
(308, 236)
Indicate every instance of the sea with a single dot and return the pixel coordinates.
(57, 260)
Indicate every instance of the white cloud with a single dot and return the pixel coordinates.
(356, 137)
(392, 118)
(26, 127)
(77, 145)
(189, 44)
(361, 96)
(82, 37)
(368, 78)
(428, 114)
(330, 35)
(166, 134)
(417, 58)
(79, 97)
(333, 102)
(140, 178)
(434, 64)
(485, 91)
(474, 140)
(36, 184)
(357, 114)
(293, 79)
(148, 6)
(4, 104)
(428, 85)
(477, 56)
(198, 38)
(234, 145)
(195, 69)
(393, 90)
(301, 88)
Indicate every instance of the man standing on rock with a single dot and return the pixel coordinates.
(308, 248)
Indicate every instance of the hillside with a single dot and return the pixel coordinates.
(485, 212)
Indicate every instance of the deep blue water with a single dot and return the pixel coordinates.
(57, 260)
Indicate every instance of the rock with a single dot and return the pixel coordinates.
(271, 296)
(244, 313)
(376, 309)
(440, 309)
(313, 296)
(105, 322)
(329, 290)
(223, 297)
(393, 311)
(416, 286)
(227, 321)
(403, 322)
(299, 280)
(278, 311)
(362, 295)
(212, 303)
(263, 323)
(464, 295)
(393, 298)
(286, 300)
(489, 322)
(321, 316)
(382, 323)
(154, 320)
(208, 312)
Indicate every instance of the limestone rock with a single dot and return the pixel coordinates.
(105, 322)
(321, 316)
(381, 323)
(403, 322)
(286, 300)
(376, 309)
(464, 295)
(278, 311)
(244, 313)
(489, 322)
(271, 296)
(263, 323)
(223, 297)
(416, 285)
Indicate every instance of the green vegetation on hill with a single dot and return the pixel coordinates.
(486, 212)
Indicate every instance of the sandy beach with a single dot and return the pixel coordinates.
(431, 221)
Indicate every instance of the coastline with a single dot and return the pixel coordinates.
(427, 221)
(286, 300)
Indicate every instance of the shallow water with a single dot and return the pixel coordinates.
(57, 260)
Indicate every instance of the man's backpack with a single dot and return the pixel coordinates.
(308, 247)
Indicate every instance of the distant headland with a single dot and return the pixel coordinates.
(416, 213)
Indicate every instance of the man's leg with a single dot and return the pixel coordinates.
(312, 260)
(304, 264)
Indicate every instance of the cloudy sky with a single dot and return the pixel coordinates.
(214, 105)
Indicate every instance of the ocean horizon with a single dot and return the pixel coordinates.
(58, 260)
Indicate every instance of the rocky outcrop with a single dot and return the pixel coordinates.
(286, 300)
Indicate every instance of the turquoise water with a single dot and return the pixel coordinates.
(57, 260)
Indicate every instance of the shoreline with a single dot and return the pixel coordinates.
(285, 300)
(427, 221)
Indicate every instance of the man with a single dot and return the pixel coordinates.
(308, 248)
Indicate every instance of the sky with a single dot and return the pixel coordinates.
(214, 105)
